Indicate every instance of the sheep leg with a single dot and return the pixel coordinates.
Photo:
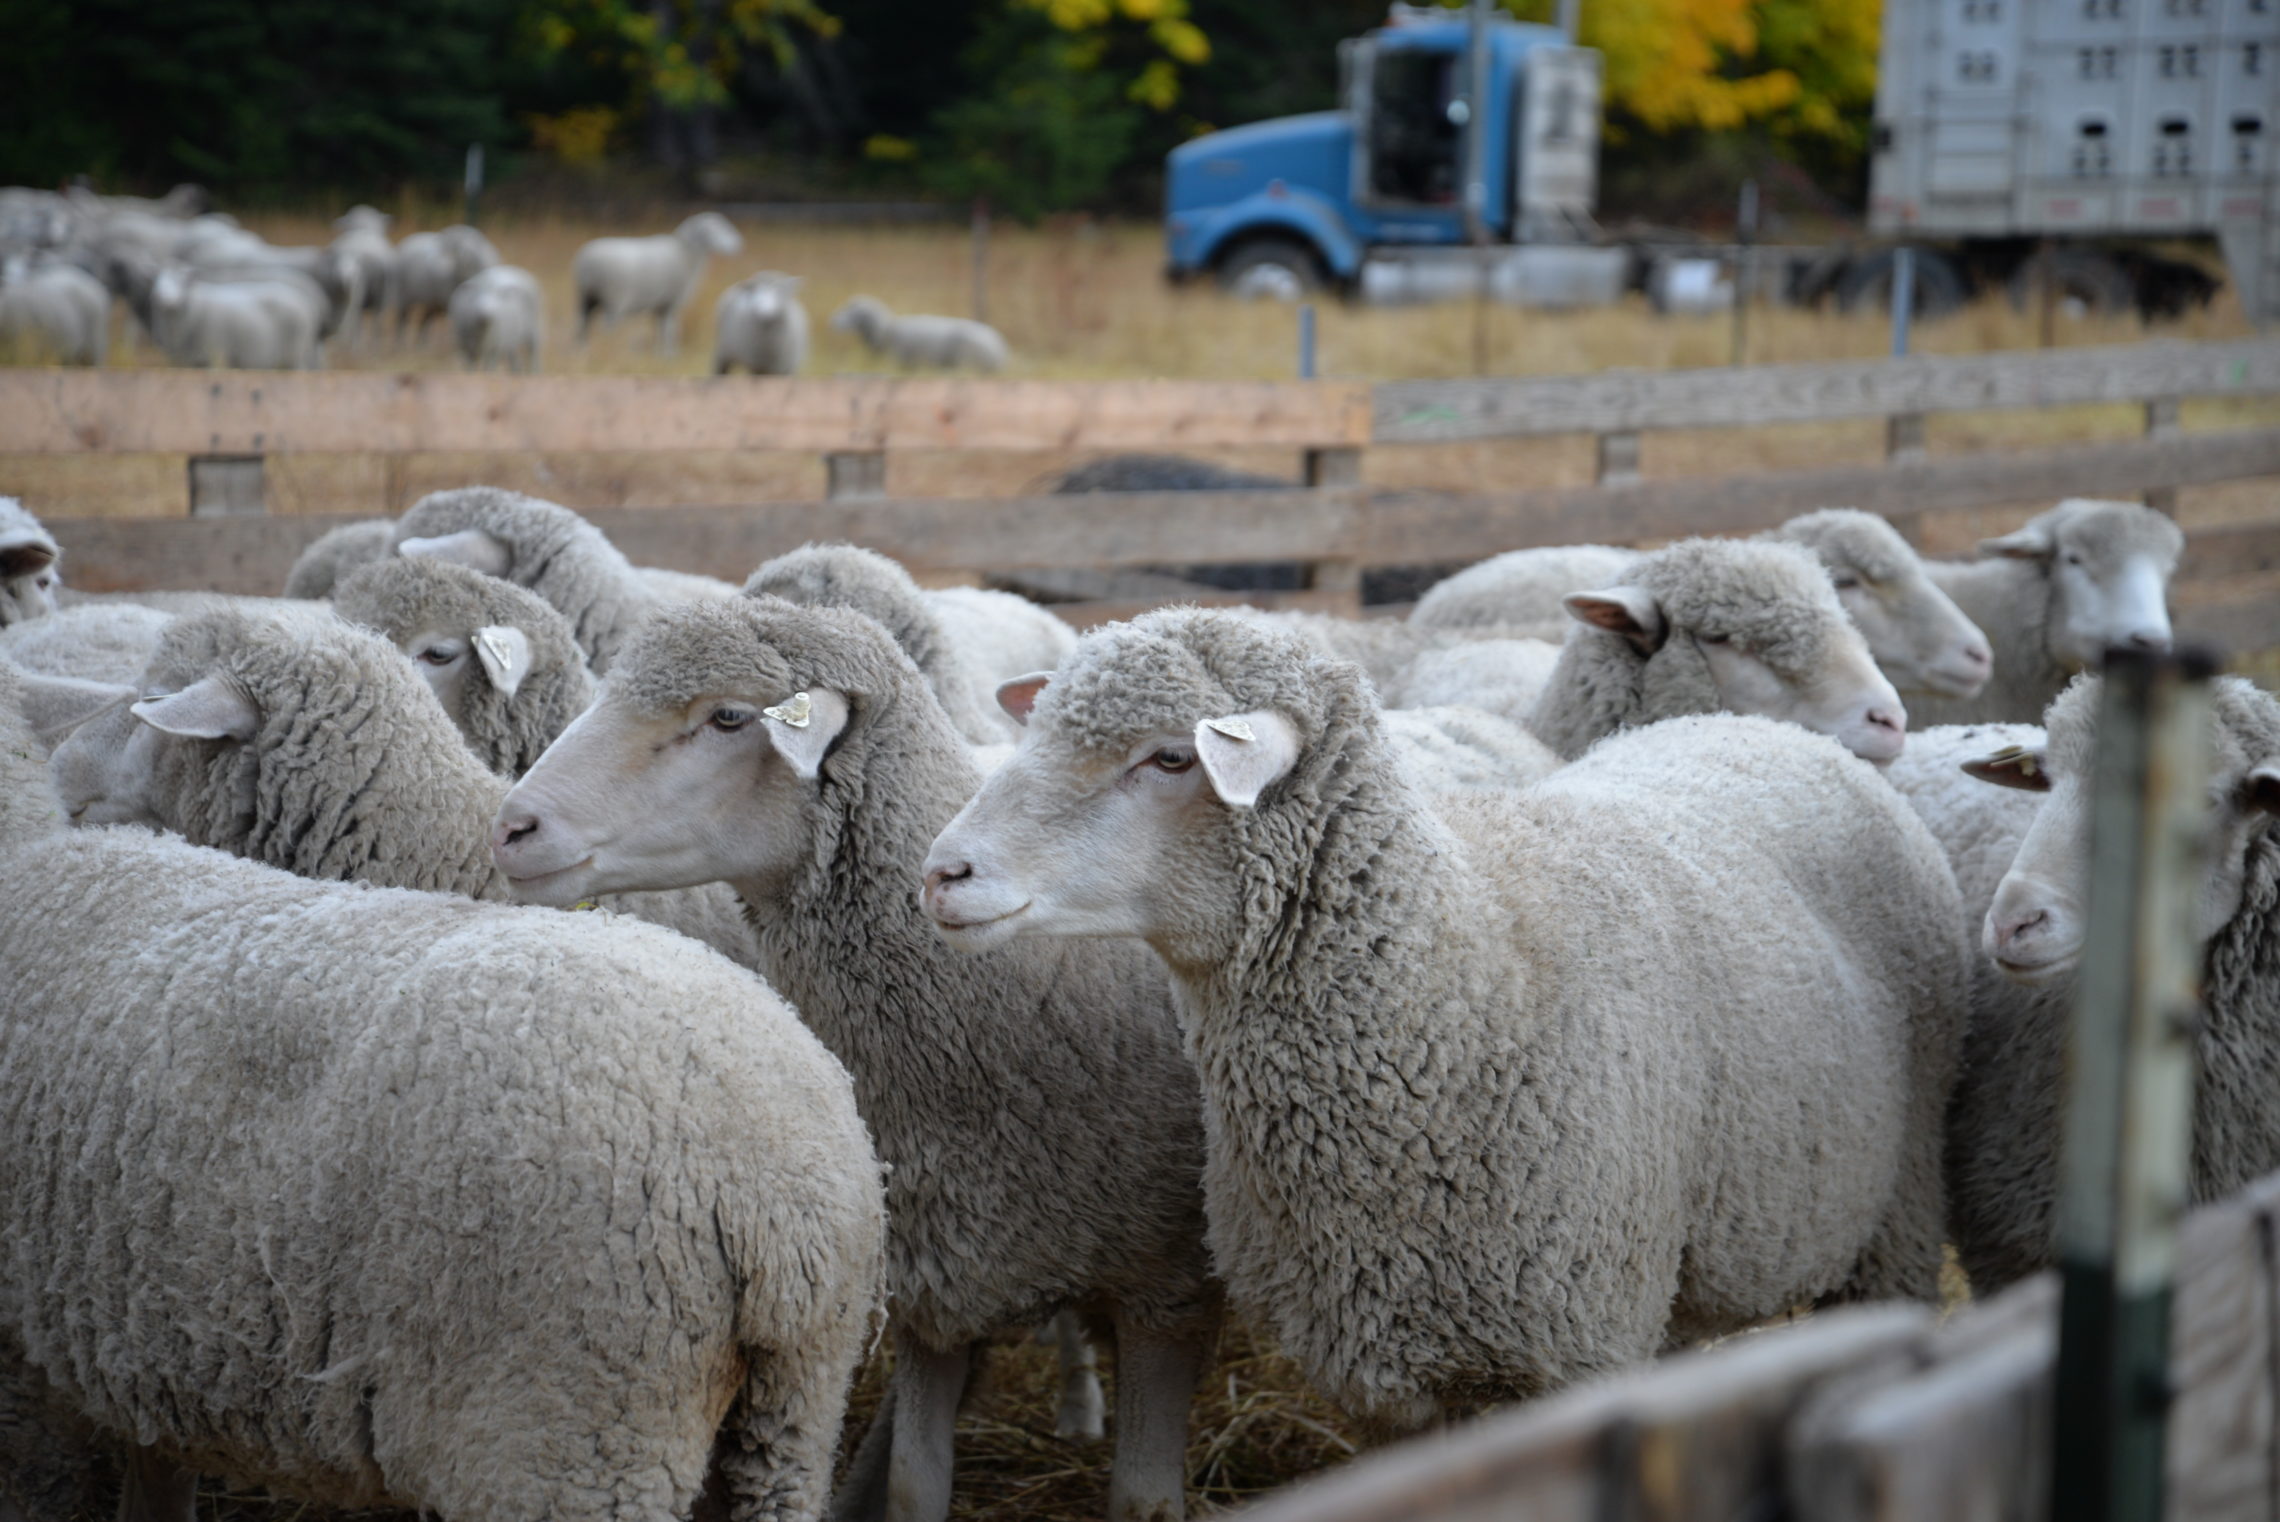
(1156, 1374)
(157, 1490)
(773, 1455)
(669, 331)
(862, 1494)
(1080, 1414)
(925, 1388)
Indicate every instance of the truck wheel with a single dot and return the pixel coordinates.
(1281, 269)
(1868, 279)
(2087, 281)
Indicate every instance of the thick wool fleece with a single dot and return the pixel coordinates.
(1773, 600)
(404, 599)
(337, 553)
(1040, 1124)
(96, 641)
(1521, 589)
(356, 774)
(381, 1198)
(1520, 1091)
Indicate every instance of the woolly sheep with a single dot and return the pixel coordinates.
(497, 319)
(100, 642)
(2052, 596)
(58, 307)
(314, 746)
(760, 325)
(1505, 677)
(1452, 748)
(233, 254)
(361, 239)
(265, 323)
(336, 553)
(940, 343)
(1917, 634)
(510, 1210)
(29, 572)
(429, 267)
(500, 659)
(1482, 1118)
(623, 277)
(1038, 1119)
(1710, 625)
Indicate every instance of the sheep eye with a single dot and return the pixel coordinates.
(1173, 758)
(1846, 583)
(2074, 557)
(439, 655)
(728, 720)
(1714, 639)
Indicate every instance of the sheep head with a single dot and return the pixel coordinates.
(2108, 566)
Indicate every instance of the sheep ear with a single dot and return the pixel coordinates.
(2020, 766)
(24, 559)
(208, 709)
(2034, 542)
(1244, 754)
(2260, 789)
(504, 651)
(1629, 611)
(1019, 696)
(803, 726)
(55, 705)
(469, 547)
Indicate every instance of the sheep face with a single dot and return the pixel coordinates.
(125, 764)
(708, 232)
(1916, 633)
(28, 578)
(2108, 566)
(446, 658)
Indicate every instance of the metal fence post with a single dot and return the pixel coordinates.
(2129, 1122)
(1903, 297)
(1306, 340)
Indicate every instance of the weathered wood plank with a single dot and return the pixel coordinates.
(2231, 551)
(2222, 1465)
(1614, 401)
(251, 412)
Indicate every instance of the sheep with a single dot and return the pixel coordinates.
(29, 570)
(620, 277)
(2053, 595)
(429, 267)
(1453, 748)
(940, 343)
(760, 324)
(1504, 677)
(965, 641)
(334, 554)
(59, 307)
(100, 642)
(497, 318)
(1038, 1119)
(361, 239)
(1917, 634)
(407, 1201)
(1706, 625)
(1485, 1112)
(233, 254)
(311, 745)
(500, 659)
(267, 323)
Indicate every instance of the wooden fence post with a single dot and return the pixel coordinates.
(226, 485)
(2161, 423)
(855, 473)
(1325, 468)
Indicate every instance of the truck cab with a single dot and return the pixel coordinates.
(1301, 201)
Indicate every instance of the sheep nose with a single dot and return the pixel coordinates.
(1978, 655)
(1883, 717)
(2149, 639)
(2010, 928)
(513, 829)
(954, 873)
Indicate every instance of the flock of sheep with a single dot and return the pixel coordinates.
(1597, 961)
(209, 293)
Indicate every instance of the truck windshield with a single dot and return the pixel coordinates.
(1413, 143)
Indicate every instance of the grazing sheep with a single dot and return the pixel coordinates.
(405, 1201)
(939, 343)
(327, 562)
(429, 267)
(622, 277)
(497, 319)
(97, 642)
(1507, 1089)
(761, 325)
(500, 659)
(265, 323)
(308, 744)
(1711, 625)
(58, 307)
(2053, 596)
(1038, 1119)
(1918, 636)
(28, 565)
(361, 240)
(233, 254)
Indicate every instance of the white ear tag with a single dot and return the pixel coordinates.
(1244, 754)
(1234, 729)
(803, 727)
(794, 710)
(504, 651)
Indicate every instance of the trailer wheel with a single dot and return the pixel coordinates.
(1281, 269)
(1938, 290)
(2085, 280)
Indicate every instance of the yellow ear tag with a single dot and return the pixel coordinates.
(1233, 729)
(794, 711)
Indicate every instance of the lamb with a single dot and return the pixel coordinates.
(429, 267)
(2052, 596)
(761, 325)
(1923, 642)
(57, 307)
(621, 277)
(1039, 1121)
(314, 746)
(336, 553)
(268, 323)
(940, 343)
(361, 240)
(509, 1213)
(29, 573)
(1483, 1115)
(499, 659)
(98, 642)
(1710, 625)
(497, 318)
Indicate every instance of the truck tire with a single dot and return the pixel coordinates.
(1282, 269)
(2084, 277)
(1868, 279)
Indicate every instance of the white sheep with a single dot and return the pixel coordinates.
(622, 277)
(29, 570)
(232, 253)
(96, 641)
(1451, 748)
(497, 318)
(253, 324)
(429, 267)
(337, 552)
(1505, 677)
(938, 343)
(760, 325)
(409, 1202)
(360, 239)
(1482, 1116)
(57, 307)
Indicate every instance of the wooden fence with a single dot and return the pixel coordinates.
(1873, 1414)
(226, 426)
